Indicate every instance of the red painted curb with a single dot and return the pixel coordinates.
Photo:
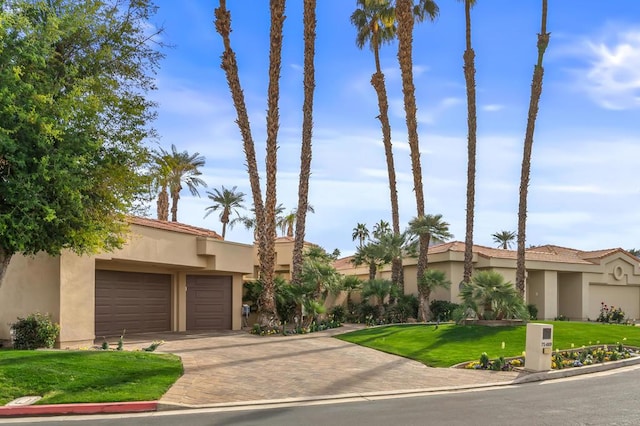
(93, 408)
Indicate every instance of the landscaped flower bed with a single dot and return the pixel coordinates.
(559, 359)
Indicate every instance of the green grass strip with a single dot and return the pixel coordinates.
(451, 344)
(86, 376)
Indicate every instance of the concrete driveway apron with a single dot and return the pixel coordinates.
(238, 367)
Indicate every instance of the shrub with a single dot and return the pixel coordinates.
(490, 297)
(442, 310)
(406, 307)
(338, 313)
(35, 331)
(533, 311)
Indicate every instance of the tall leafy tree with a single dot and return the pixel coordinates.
(309, 21)
(426, 228)
(406, 12)
(73, 115)
(228, 201)
(504, 238)
(183, 168)
(470, 81)
(375, 24)
(536, 92)
(265, 212)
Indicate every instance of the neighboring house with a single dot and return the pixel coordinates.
(560, 280)
(284, 258)
(168, 277)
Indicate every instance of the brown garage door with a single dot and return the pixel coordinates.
(208, 302)
(132, 301)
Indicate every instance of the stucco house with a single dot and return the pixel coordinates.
(560, 280)
(168, 277)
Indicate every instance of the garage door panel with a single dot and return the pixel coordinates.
(131, 301)
(209, 302)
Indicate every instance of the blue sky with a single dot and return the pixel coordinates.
(583, 192)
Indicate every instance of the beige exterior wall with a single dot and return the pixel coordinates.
(31, 284)
(625, 297)
(570, 294)
(77, 300)
(175, 249)
(65, 285)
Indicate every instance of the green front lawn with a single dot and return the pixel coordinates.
(86, 376)
(452, 344)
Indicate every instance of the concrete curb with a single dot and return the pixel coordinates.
(576, 371)
(328, 398)
(92, 408)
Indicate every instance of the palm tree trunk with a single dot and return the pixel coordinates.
(309, 20)
(269, 313)
(377, 81)
(175, 196)
(230, 66)
(469, 75)
(163, 204)
(373, 270)
(536, 91)
(405, 35)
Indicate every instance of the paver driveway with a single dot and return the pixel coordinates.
(240, 367)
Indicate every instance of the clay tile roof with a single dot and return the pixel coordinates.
(174, 226)
(598, 254)
(285, 239)
(343, 263)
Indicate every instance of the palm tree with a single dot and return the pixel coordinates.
(373, 255)
(406, 12)
(227, 201)
(635, 252)
(351, 283)
(265, 213)
(536, 91)
(375, 24)
(490, 297)
(380, 289)
(425, 228)
(160, 171)
(431, 280)
(184, 168)
(361, 233)
(251, 221)
(429, 228)
(287, 222)
(381, 228)
(309, 20)
(170, 170)
(273, 124)
(504, 238)
(394, 245)
(469, 76)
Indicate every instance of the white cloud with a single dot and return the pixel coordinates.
(611, 76)
(492, 107)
